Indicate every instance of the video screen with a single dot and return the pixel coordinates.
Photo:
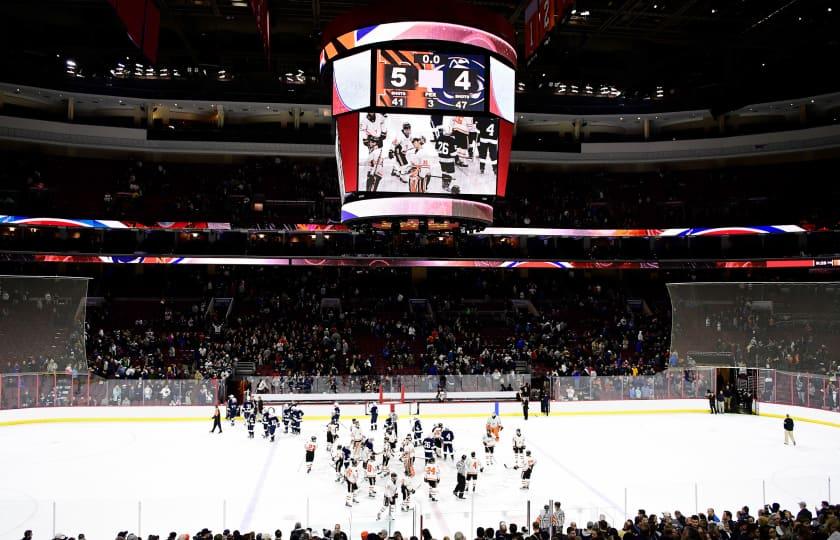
(421, 153)
(430, 80)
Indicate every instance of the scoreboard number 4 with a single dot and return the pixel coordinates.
(463, 80)
(459, 80)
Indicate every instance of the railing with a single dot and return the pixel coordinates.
(800, 389)
(670, 384)
(25, 390)
(316, 508)
(388, 384)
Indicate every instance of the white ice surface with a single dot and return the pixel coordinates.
(159, 477)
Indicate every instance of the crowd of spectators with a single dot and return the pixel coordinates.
(367, 322)
(271, 192)
(381, 322)
(771, 522)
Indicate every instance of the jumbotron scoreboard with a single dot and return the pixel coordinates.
(424, 112)
(430, 80)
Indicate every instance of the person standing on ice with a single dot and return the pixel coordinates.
(217, 421)
(494, 425)
(711, 397)
(374, 416)
(788, 425)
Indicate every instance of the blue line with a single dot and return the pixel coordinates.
(255, 495)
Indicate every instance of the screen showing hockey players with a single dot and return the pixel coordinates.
(419, 153)
(430, 80)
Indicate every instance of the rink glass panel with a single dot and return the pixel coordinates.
(42, 323)
(26, 390)
(785, 326)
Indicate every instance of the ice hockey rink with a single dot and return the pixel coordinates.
(156, 475)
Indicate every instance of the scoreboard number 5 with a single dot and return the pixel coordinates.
(401, 77)
(398, 78)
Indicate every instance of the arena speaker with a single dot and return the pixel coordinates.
(423, 100)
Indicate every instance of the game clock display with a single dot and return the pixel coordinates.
(430, 80)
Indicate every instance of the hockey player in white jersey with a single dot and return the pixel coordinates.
(390, 490)
(473, 468)
(374, 126)
(527, 469)
(356, 438)
(388, 445)
(494, 425)
(432, 477)
(310, 448)
(407, 490)
(461, 127)
(437, 437)
(374, 165)
(419, 174)
(489, 447)
(351, 476)
(407, 458)
(370, 475)
(400, 147)
(518, 449)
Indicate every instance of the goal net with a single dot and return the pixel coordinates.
(787, 326)
(42, 324)
(401, 408)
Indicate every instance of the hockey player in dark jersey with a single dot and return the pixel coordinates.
(248, 409)
(273, 423)
(429, 448)
(417, 429)
(266, 417)
(445, 148)
(488, 144)
(297, 417)
(336, 414)
(391, 423)
(250, 420)
(436, 120)
(232, 409)
(374, 416)
(287, 416)
(332, 435)
(448, 436)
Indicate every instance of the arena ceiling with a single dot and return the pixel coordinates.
(721, 52)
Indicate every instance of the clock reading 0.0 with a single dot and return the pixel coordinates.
(430, 80)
